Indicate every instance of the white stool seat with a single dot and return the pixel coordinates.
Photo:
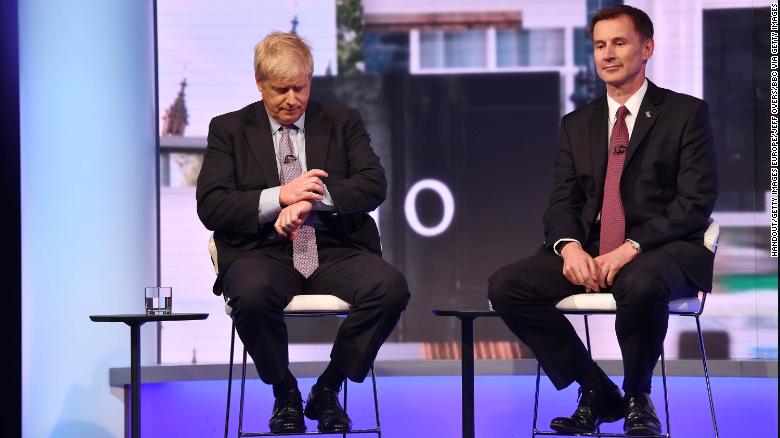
(685, 305)
(596, 302)
(317, 303)
(309, 303)
(605, 303)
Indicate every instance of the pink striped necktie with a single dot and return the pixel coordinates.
(305, 258)
(613, 218)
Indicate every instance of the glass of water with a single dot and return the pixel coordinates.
(158, 300)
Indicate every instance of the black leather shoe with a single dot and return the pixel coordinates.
(323, 405)
(641, 419)
(287, 416)
(593, 409)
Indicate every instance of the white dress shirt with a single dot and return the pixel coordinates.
(632, 105)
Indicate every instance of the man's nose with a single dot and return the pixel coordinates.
(609, 52)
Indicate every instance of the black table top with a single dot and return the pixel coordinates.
(136, 318)
(465, 312)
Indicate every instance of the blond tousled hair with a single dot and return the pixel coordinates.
(280, 55)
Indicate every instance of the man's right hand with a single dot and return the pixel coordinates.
(291, 218)
(579, 267)
(307, 187)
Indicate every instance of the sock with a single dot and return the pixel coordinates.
(644, 389)
(595, 378)
(288, 384)
(331, 378)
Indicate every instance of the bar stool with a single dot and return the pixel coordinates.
(301, 306)
(586, 304)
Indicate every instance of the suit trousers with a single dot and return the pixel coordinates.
(524, 295)
(261, 282)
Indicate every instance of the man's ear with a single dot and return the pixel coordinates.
(647, 51)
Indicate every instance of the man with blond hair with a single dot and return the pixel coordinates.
(286, 186)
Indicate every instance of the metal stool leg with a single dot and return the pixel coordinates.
(706, 375)
(241, 402)
(666, 394)
(534, 429)
(345, 402)
(587, 336)
(376, 403)
(230, 377)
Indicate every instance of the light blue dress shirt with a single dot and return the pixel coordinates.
(269, 206)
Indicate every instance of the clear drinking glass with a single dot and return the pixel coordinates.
(158, 300)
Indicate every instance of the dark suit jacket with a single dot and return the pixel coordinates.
(239, 163)
(668, 186)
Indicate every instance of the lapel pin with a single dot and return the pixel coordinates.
(648, 115)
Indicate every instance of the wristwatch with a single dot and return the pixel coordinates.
(635, 245)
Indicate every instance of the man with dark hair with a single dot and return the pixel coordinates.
(642, 23)
(286, 186)
(635, 183)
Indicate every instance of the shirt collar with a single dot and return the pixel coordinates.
(298, 123)
(632, 104)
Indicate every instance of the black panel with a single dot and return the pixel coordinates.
(736, 66)
(10, 268)
(491, 139)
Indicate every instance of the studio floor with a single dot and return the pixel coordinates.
(428, 406)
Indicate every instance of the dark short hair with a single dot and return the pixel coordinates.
(642, 22)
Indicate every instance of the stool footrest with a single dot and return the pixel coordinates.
(243, 434)
(602, 434)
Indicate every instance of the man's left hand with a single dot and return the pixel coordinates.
(612, 262)
(291, 218)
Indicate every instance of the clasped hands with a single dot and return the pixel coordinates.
(594, 273)
(297, 200)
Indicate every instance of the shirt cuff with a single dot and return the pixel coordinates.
(555, 247)
(635, 244)
(268, 208)
(326, 203)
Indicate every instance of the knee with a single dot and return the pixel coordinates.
(395, 295)
(500, 284)
(255, 297)
(640, 289)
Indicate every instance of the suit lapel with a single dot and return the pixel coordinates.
(599, 142)
(317, 129)
(261, 143)
(649, 111)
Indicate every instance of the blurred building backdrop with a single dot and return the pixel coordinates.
(444, 87)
